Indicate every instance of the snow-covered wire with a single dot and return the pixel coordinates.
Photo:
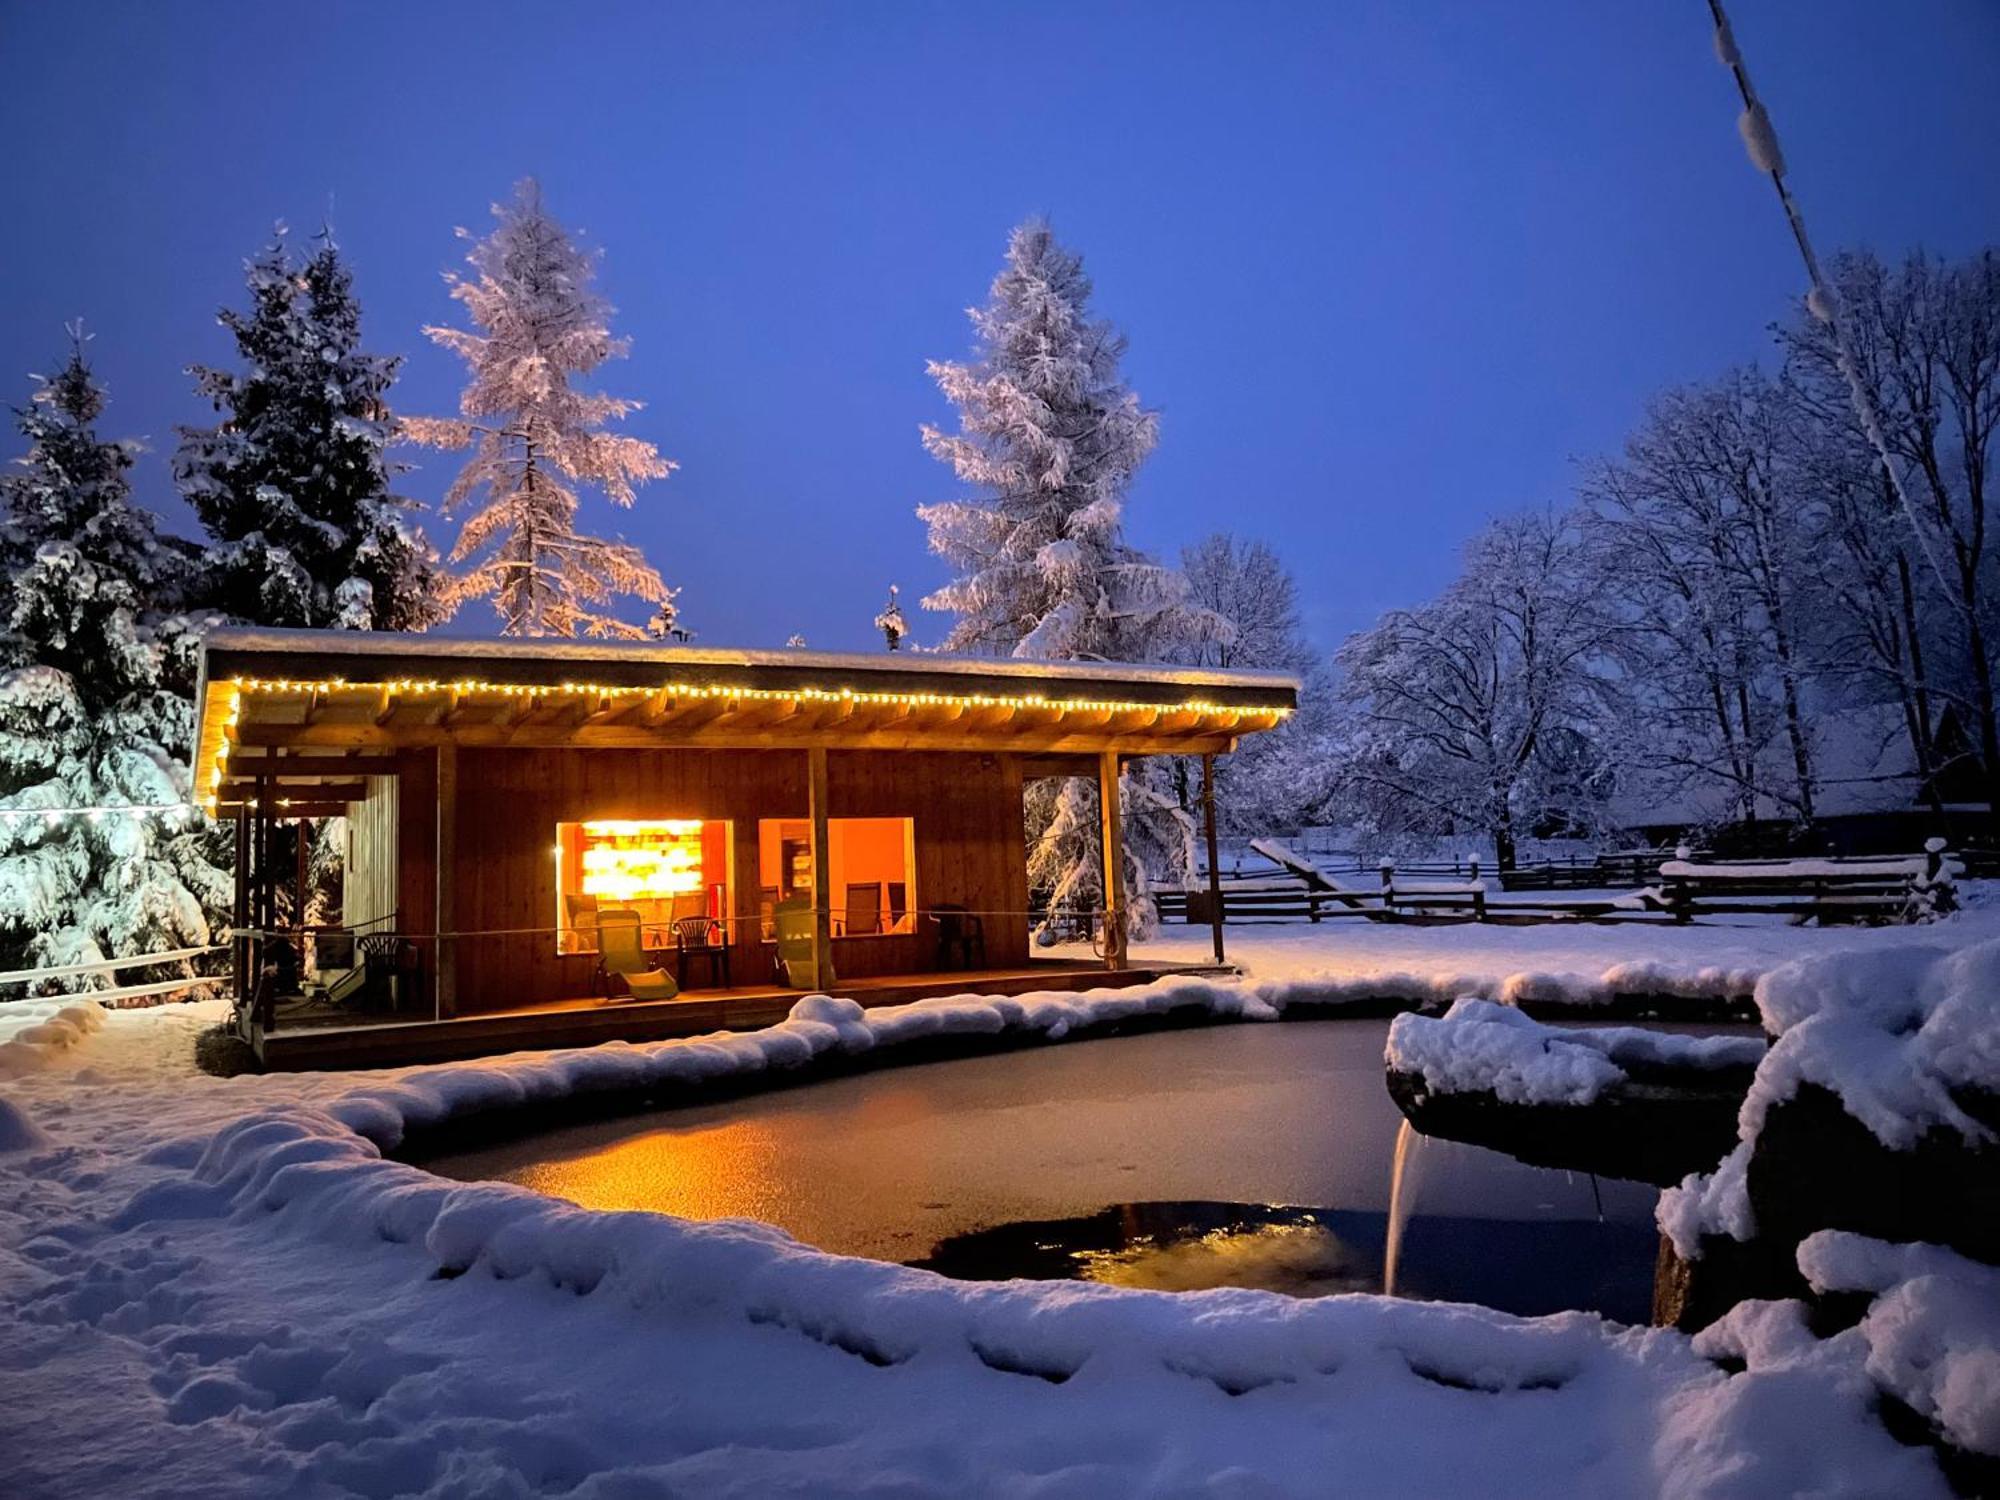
(1760, 140)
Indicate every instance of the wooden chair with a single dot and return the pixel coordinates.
(705, 938)
(864, 909)
(620, 956)
(962, 933)
(796, 957)
(899, 904)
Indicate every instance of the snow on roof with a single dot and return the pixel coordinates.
(459, 653)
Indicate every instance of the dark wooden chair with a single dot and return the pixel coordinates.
(899, 904)
(705, 938)
(864, 909)
(960, 933)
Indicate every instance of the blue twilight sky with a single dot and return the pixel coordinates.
(1387, 267)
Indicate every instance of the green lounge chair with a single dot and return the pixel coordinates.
(620, 956)
(796, 964)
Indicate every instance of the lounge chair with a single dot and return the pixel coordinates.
(620, 956)
(796, 945)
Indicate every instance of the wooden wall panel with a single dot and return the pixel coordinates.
(966, 807)
(368, 888)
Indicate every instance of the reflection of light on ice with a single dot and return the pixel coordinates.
(629, 860)
(1403, 1179)
(1300, 1259)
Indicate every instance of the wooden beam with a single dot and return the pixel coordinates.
(235, 788)
(1112, 819)
(327, 735)
(1214, 864)
(822, 888)
(283, 767)
(445, 962)
(228, 810)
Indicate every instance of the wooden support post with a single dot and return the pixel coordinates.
(239, 912)
(1112, 818)
(822, 886)
(1214, 865)
(260, 898)
(445, 959)
(299, 887)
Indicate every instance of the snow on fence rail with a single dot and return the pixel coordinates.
(111, 966)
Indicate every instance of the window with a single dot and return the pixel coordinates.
(662, 868)
(873, 874)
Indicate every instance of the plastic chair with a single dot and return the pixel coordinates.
(619, 955)
(704, 938)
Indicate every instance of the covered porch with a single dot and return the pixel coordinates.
(766, 824)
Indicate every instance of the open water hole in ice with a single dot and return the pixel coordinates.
(1251, 1155)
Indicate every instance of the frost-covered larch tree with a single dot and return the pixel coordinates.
(535, 437)
(95, 709)
(1049, 437)
(293, 485)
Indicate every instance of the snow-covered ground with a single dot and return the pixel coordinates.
(223, 1288)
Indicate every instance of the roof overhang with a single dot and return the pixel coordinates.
(313, 711)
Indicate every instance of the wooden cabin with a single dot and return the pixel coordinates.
(498, 795)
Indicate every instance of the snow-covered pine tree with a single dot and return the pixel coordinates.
(891, 622)
(535, 437)
(95, 707)
(1050, 435)
(292, 484)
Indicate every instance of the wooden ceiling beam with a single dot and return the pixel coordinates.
(245, 763)
(721, 736)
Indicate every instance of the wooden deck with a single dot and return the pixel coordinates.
(341, 1041)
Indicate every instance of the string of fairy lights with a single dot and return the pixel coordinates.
(677, 693)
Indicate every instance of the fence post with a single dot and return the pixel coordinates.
(1388, 886)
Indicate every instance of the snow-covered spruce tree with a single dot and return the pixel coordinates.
(95, 707)
(1050, 437)
(535, 437)
(292, 484)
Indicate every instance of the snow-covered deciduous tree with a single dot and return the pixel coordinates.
(1709, 522)
(1049, 438)
(535, 437)
(95, 709)
(1925, 337)
(292, 485)
(1246, 615)
(1480, 711)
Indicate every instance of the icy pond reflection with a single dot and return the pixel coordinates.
(1247, 1155)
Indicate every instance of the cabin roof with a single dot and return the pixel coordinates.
(322, 698)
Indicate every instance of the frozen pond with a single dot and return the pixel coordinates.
(1246, 1155)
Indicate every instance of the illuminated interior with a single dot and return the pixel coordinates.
(873, 872)
(662, 868)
